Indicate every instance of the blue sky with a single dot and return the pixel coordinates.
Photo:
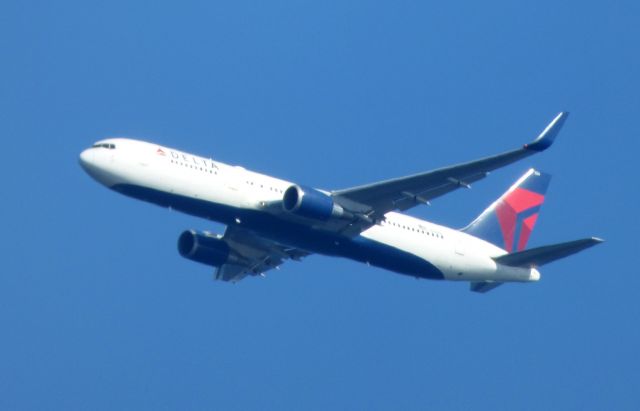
(98, 310)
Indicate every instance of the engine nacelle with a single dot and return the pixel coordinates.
(203, 248)
(310, 203)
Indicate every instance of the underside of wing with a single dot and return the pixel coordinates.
(252, 255)
(237, 253)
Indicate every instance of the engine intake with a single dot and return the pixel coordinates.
(310, 203)
(203, 248)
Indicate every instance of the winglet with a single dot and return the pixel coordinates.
(548, 135)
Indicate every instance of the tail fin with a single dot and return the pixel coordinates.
(509, 221)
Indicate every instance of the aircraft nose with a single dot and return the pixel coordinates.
(86, 158)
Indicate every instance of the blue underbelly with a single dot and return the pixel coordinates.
(292, 234)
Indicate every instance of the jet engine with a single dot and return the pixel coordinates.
(310, 203)
(203, 248)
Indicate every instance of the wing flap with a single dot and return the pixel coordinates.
(231, 272)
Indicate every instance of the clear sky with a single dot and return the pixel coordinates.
(98, 310)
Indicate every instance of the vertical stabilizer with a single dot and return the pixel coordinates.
(509, 221)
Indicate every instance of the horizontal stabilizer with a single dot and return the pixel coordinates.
(483, 286)
(535, 257)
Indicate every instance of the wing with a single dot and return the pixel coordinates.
(252, 255)
(406, 192)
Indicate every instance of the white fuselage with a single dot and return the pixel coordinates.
(234, 195)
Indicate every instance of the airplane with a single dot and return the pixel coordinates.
(269, 220)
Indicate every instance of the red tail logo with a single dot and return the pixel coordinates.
(517, 216)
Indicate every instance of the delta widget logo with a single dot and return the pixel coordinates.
(517, 216)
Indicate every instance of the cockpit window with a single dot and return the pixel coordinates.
(105, 145)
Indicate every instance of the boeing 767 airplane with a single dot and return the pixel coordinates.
(270, 220)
